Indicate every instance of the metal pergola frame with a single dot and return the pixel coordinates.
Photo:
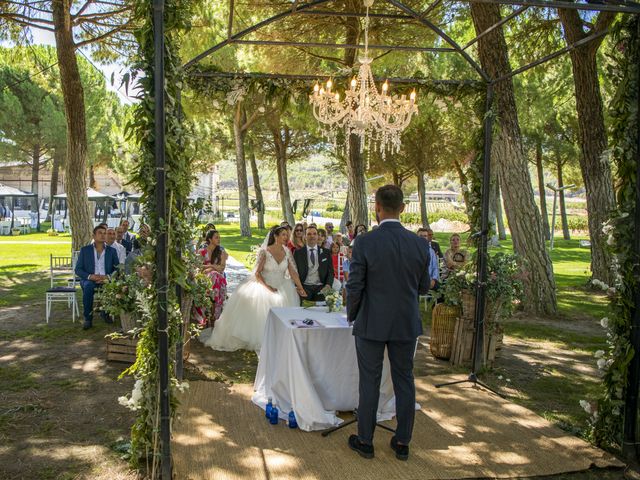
(404, 13)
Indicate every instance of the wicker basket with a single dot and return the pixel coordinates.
(443, 321)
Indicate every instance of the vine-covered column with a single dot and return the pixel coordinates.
(171, 229)
(618, 404)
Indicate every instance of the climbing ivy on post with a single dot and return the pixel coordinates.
(145, 441)
(607, 414)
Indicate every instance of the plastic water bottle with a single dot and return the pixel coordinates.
(292, 420)
(273, 418)
(267, 410)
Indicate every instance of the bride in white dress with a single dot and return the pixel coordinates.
(241, 325)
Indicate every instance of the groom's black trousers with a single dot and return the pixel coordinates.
(370, 357)
(313, 293)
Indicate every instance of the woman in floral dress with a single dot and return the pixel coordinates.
(215, 260)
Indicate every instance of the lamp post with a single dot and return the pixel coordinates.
(556, 190)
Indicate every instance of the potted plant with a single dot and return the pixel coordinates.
(119, 298)
(52, 232)
(15, 231)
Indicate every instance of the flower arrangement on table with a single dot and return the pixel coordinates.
(332, 298)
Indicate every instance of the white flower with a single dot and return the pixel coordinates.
(465, 188)
(216, 104)
(124, 401)
(261, 109)
(460, 273)
(508, 380)
(586, 406)
(599, 354)
(604, 322)
(499, 377)
(616, 411)
(624, 215)
(606, 228)
(182, 386)
(602, 363)
(611, 240)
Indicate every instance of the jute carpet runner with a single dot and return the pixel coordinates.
(461, 432)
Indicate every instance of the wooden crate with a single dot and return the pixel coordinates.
(122, 349)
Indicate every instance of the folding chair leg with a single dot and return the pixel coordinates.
(48, 308)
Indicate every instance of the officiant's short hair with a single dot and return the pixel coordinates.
(390, 198)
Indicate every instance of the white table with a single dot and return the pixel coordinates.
(313, 371)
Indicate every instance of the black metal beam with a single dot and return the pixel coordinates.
(161, 239)
(294, 9)
(342, 45)
(551, 56)
(430, 8)
(626, 7)
(506, 19)
(313, 78)
(442, 35)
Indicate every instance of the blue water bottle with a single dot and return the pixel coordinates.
(273, 418)
(267, 410)
(292, 420)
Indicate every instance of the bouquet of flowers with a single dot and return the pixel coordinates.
(332, 298)
(119, 295)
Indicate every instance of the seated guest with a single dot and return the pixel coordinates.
(361, 229)
(284, 223)
(127, 236)
(298, 237)
(339, 239)
(111, 241)
(138, 245)
(455, 258)
(434, 270)
(215, 261)
(351, 230)
(336, 260)
(314, 266)
(322, 238)
(329, 228)
(202, 243)
(94, 265)
(435, 245)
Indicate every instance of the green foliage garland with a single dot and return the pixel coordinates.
(607, 418)
(145, 399)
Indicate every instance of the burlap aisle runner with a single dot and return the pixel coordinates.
(460, 433)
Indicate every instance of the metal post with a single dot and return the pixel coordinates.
(13, 212)
(630, 441)
(161, 238)
(478, 320)
(553, 219)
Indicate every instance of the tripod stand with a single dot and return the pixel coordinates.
(329, 431)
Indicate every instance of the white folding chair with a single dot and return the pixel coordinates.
(5, 227)
(60, 269)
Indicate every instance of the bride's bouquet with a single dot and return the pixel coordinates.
(332, 298)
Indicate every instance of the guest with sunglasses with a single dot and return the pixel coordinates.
(297, 241)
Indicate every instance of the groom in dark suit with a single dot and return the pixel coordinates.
(389, 269)
(314, 266)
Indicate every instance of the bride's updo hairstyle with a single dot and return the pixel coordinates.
(275, 231)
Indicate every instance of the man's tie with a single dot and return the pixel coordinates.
(313, 256)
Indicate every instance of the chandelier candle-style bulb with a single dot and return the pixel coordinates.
(374, 116)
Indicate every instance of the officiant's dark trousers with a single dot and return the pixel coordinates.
(370, 358)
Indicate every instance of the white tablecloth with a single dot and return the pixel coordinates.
(313, 371)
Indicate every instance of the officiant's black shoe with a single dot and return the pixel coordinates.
(364, 450)
(402, 451)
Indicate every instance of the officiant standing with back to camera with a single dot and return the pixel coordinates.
(389, 270)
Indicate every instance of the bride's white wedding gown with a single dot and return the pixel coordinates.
(241, 325)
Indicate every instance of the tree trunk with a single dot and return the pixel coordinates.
(563, 208)
(542, 192)
(345, 215)
(502, 233)
(73, 95)
(357, 193)
(422, 194)
(357, 189)
(596, 172)
(35, 173)
(92, 177)
(522, 213)
(239, 120)
(278, 129)
(53, 188)
(256, 183)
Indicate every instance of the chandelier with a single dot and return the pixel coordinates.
(377, 118)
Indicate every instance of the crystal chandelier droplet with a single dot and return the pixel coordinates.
(378, 118)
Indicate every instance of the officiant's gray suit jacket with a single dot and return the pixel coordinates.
(389, 269)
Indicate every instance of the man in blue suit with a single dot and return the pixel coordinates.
(96, 262)
(389, 269)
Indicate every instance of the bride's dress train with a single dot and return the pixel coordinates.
(241, 325)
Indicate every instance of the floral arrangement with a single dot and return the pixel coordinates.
(332, 298)
(504, 281)
(120, 294)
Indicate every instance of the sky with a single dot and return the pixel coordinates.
(43, 37)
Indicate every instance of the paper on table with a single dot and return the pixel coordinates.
(306, 323)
